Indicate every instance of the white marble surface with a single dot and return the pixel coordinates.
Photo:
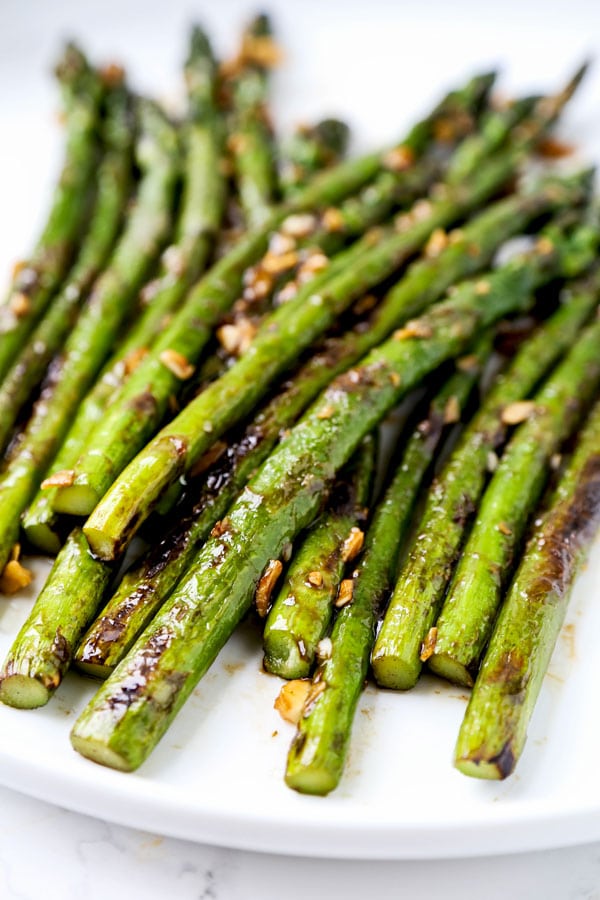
(47, 853)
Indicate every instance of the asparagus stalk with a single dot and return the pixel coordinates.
(302, 609)
(467, 617)
(97, 325)
(316, 758)
(42, 650)
(129, 714)
(144, 588)
(202, 204)
(191, 328)
(36, 280)
(285, 333)
(418, 594)
(494, 729)
(311, 149)
(251, 144)
(114, 182)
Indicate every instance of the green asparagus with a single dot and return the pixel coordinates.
(494, 729)
(97, 325)
(134, 707)
(284, 334)
(316, 758)
(145, 587)
(198, 222)
(114, 182)
(455, 495)
(467, 617)
(301, 612)
(37, 279)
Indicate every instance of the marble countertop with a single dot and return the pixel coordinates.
(50, 853)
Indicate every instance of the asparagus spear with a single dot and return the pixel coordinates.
(191, 328)
(114, 182)
(202, 204)
(42, 650)
(301, 611)
(145, 587)
(98, 323)
(251, 143)
(467, 617)
(494, 728)
(455, 495)
(36, 281)
(134, 707)
(311, 149)
(316, 758)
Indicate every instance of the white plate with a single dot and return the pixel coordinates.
(217, 776)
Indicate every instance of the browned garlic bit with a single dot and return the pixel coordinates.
(398, 158)
(451, 411)
(63, 478)
(315, 579)
(436, 243)
(517, 412)
(503, 528)
(299, 225)
(236, 337)
(314, 263)
(544, 246)
(290, 700)
(20, 304)
(15, 577)
(414, 329)
(353, 544)
(428, 645)
(332, 220)
(265, 586)
(482, 288)
(177, 364)
(133, 359)
(276, 263)
(345, 593)
(467, 363)
(326, 412)
(395, 379)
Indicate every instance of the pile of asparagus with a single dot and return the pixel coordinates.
(202, 351)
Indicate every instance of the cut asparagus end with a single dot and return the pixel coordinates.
(98, 752)
(283, 657)
(95, 670)
(41, 536)
(451, 669)
(310, 779)
(101, 544)
(394, 672)
(23, 692)
(479, 765)
(76, 500)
